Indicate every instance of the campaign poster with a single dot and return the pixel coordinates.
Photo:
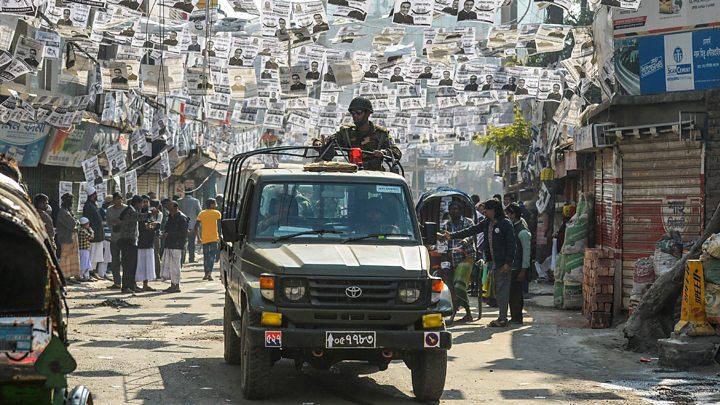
(413, 12)
(116, 159)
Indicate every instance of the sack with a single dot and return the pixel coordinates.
(712, 303)
(558, 293)
(644, 271)
(711, 268)
(711, 246)
(572, 296)
(663, 262)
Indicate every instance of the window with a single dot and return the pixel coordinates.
(342, 211)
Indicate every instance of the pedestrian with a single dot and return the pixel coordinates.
(521, 262)
(92, 213)
(85, 237)
(146, 248)
(68, 239)
(127, 241)
(175, 234)
(40, 201)
(462, 258)
(499, 248)
(107, 237)
(476, 280)
(208, 235)
(112, 219)
(190, 206)
(159, 218)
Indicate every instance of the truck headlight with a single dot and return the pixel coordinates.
(294, 289)
(409, 292)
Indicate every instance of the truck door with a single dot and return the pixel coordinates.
(234, 251)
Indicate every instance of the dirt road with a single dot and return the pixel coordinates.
(168, 350)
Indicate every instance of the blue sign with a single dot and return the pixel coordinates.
(679, 62)
(24, 142)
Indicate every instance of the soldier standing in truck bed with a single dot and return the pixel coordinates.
(365, 135)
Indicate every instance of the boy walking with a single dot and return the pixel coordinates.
(85, 236)
(208, 235)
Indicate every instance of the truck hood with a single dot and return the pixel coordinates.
(336, 259)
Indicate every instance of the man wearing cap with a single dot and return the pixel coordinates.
(190, 206)
(365, 135)
(91, 212)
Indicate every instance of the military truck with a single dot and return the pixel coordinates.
(324, 263)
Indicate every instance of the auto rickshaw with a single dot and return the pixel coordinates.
(34, 360)
(432, 207)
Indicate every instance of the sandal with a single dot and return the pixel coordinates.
(498, 324)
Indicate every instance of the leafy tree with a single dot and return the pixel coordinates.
(513, 138)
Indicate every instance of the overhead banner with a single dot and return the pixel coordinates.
(679, 62)
(654, 17)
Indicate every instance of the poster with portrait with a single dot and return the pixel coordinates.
(551, 37)
(198, 82)
(121, 75)
(30, 51)
(164, 165)
(138, 145)
(478, 11)
(413, 12)
(162, 79)
(447, 7)
(243, 51)
(131, 186)
(243, 83)
(502, 36)
(293, 81)
(64, 187)
(69, 19)
(116, 159)
(91, 168)
(310, 15)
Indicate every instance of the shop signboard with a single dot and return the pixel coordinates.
(68, 147)
(679, 62)
(662, 16)
(24, 142)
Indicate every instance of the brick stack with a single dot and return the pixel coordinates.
(598, 284)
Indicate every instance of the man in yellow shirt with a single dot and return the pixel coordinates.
(208, 235)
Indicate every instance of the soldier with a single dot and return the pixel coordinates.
(365, 135)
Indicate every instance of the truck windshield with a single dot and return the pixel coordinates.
(322, 211)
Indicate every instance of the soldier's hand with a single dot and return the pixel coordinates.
(378, 153)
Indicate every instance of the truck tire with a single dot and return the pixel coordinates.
(231, 341)
(428, 374)
(256, 363)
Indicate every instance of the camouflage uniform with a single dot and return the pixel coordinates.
(379, 139)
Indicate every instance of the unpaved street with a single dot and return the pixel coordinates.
(168, 350)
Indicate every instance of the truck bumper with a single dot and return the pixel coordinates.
(315, 338)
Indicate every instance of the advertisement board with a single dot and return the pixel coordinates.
(662, 16)
(68, 147)
(24, 142)
(679, 62)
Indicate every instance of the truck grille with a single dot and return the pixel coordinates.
(364, 293)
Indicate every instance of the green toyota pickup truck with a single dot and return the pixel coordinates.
(323, 264)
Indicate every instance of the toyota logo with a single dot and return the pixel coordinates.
(353, 291)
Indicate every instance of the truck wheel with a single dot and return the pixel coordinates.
(230, 338)
(428, 374)
(256, 363)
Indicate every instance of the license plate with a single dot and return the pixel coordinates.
(350, 340)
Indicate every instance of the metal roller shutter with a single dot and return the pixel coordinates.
(661, 191)
(604, 198)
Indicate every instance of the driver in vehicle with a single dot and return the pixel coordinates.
(373, 219)
(281, 211)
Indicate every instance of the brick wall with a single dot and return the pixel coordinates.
(598, 287)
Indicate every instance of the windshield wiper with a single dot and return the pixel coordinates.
(375, 235)
(312, 232)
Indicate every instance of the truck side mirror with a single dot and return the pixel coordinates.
(229, 230)
(430, 237)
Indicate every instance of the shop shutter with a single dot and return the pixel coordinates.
(149, 182)
(661, 191)
(604, 191)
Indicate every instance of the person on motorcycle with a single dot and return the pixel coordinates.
(365, 135)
